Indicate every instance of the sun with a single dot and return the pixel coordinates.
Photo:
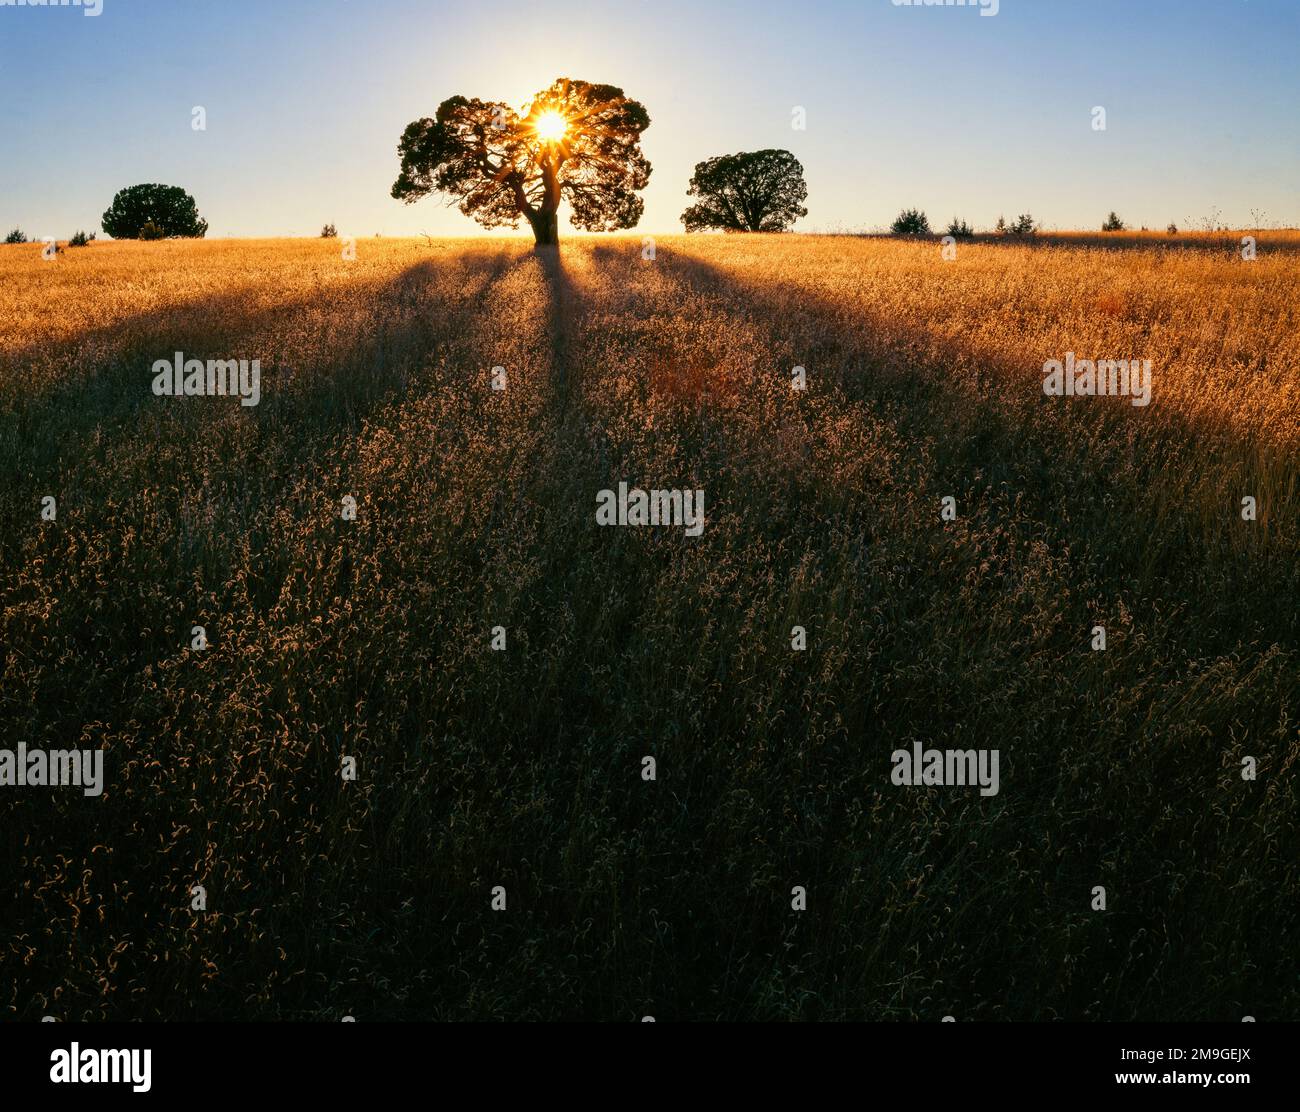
(550, 126)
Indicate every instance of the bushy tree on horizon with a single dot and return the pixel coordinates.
(752, 191)
(1113, 223)
(911, 222)
(576, 141)
(167, 207)
(16, 236)
(959, 229)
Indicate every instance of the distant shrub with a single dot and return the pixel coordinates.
(1001, 226)
(329, 232)
(1113, 223)
(81, 239)
(16, 236)
(959, 229)
(911, 222)
(1022, 225)
(1172, 229)
(150, 230)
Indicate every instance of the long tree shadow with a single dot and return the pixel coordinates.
(1068, 516)
(562, 322)
(573, 453)
(167, 493)
(365, 350)
(986, 427)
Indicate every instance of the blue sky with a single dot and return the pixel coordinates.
(939, 108)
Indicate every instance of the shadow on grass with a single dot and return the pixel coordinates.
(50, 435)
(562, 321)
(1096, 478)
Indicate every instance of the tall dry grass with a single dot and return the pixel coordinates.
(522, 768)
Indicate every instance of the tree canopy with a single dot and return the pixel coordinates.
(756, 191)
(167, 207)
(575, 141)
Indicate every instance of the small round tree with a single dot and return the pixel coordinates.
(168, 208)
(756, 191)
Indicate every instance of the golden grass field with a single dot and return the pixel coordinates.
(370, 638)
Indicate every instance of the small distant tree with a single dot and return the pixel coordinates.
(1172, 229)
(959, 229)
(753, 191)
(150, 230)
(910, 222)
(329, 232)
(167, 207)
(81, 239)
(16, 236)
(1023, 225)
(1113, 223)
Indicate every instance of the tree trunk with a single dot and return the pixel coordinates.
(546, 228)
(546, 220)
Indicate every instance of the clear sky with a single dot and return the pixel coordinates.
(936, 107)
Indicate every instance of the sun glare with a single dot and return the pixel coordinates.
(551, 126)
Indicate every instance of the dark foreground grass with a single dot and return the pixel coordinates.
(523, 768)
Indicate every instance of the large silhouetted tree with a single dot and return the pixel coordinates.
(756, 191)
(166, 207)
(576, 141)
